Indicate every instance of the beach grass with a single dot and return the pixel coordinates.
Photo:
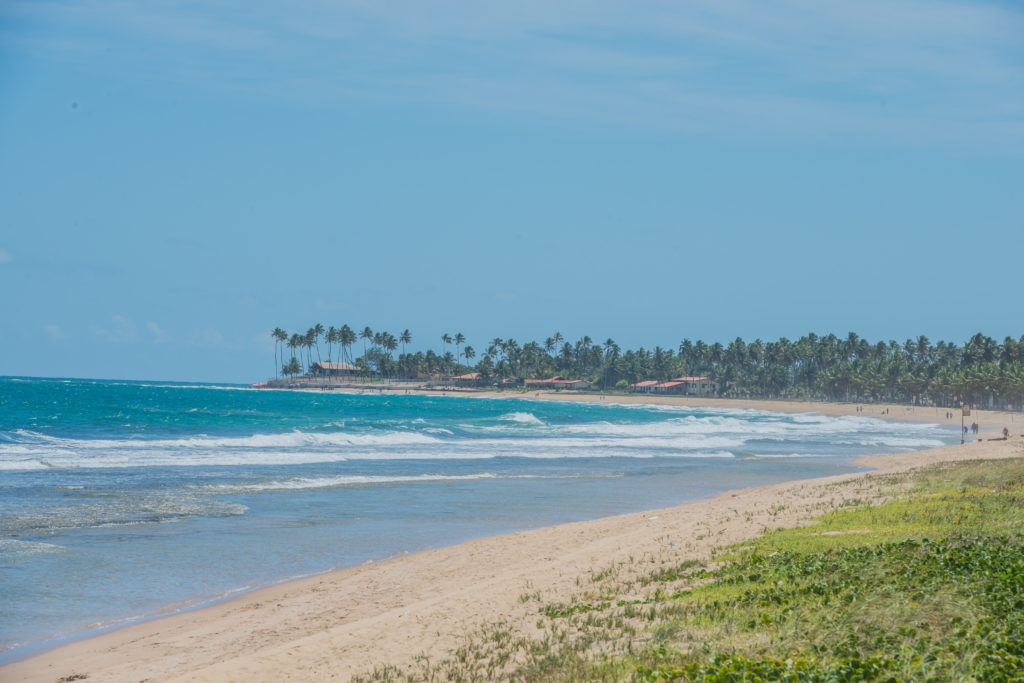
(927, 585)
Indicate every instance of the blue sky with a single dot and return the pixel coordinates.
(178, 178)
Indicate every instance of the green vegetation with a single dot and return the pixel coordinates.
(926, 587)
(824, 367)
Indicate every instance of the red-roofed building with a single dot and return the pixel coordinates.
(557, 383)
(685, 386)
(470, 379)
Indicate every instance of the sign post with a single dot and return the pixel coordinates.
(965, 410)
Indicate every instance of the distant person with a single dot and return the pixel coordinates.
(1006, 433)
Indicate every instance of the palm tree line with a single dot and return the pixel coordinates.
(824, 367)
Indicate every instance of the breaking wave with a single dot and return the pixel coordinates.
(522, 418)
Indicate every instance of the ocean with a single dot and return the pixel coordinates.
(121, 501)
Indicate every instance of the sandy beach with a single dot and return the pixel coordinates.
(337, 625)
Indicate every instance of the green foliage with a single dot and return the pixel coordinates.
(826, 367)
(934, 590)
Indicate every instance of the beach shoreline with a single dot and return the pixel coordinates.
(311, 628)
(989, 421)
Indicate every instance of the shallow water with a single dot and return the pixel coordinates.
(120, 500)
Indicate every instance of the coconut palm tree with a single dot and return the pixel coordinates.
(318, 331)
(459, 341)
(308, 341)
(346, 337)
(296, 341)
(405, 338)
(446, 338)
(279, 336)
(292, 367)
(390, 343)
(331, 337)
(366, 334)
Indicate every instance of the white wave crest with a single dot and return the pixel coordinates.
(12, 548)
(343, 480)
(522, 418)
(31, 441)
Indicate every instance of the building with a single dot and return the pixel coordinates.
(570, 384)
(669, 388)
(333, 369)
(470, 379)
(695, 386)
(557, 383)
(683, 386)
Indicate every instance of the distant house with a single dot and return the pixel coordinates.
(571, 384)
(557, 383)
(669, 388)
(684, 386)
(470, 379)
(695, 386)
(333, 369)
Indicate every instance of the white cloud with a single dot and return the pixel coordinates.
(121, 330)
(899, 69)
(209, 337)
(158, 334)
(53, 332)
(5, 256)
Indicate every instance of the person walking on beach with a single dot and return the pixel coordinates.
(1006, 433)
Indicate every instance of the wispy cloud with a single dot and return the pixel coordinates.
(157, 333)
(902, 69)
(119, 331)
(53, 332)
(209, 337)
(5, 256)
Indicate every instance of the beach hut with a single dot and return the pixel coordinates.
(470, 379)
(333, 369)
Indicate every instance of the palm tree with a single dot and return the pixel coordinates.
(468, 353)
(308, 342)
(296, 341)
(446, 338)
(459, 341)
(318, 331)
(279, 336)
(390, 344)
(405, 338)
(293, 367)
(346, 337)
(331, 337)
(366, 334)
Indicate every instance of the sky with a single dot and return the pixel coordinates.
(178, 178)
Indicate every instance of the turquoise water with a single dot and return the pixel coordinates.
(123, 500)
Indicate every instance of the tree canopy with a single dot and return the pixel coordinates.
(826, 367)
